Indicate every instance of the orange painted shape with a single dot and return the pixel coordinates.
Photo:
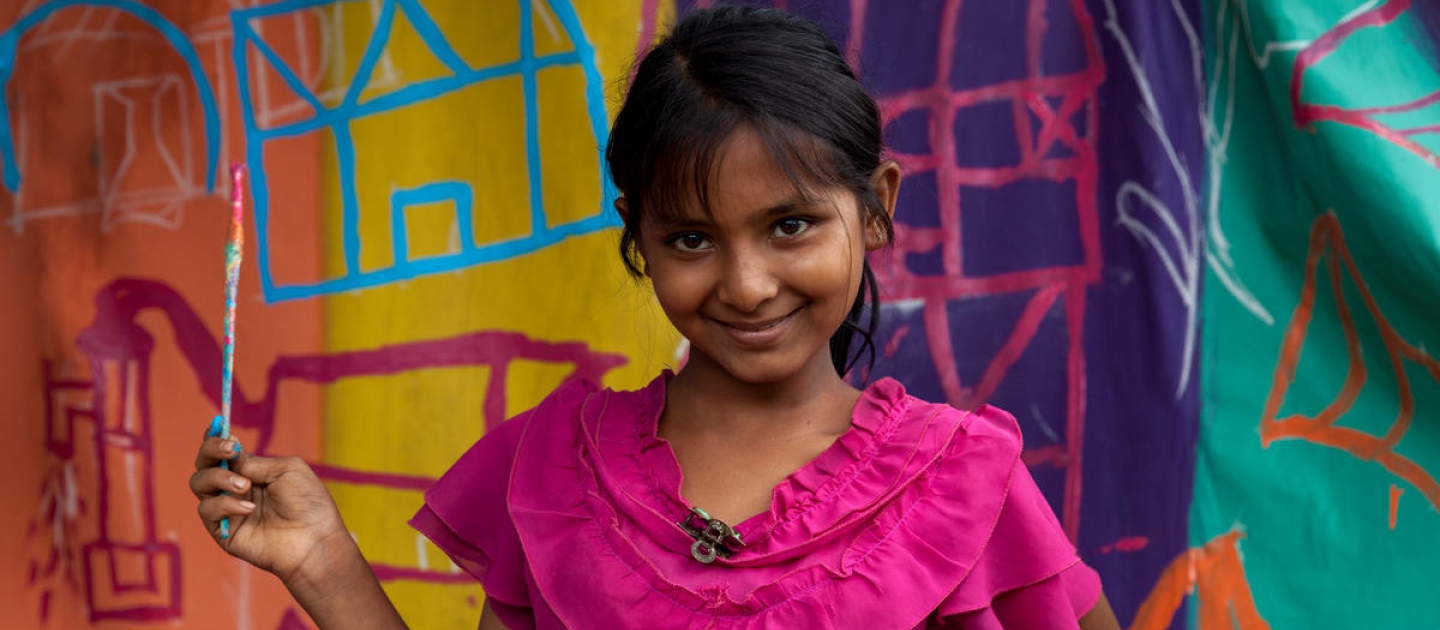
(1326, 238)
(1395, 492)
(1215, 574)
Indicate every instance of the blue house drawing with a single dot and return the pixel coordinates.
(338, 120)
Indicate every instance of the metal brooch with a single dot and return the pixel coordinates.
(712, 536)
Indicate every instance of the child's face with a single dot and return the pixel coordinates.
(760, 284)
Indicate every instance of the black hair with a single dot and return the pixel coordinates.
(779, 74)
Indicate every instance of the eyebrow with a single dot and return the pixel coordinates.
(692, 220)
(794, 204)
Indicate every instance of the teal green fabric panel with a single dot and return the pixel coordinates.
(1320, 420)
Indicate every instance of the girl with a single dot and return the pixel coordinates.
(755, 488)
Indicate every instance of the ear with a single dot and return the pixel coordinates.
(886, 184)
(622, 208)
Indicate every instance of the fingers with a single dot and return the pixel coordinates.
(208, 482)
(265, 470)
(215, 450)
(213, 509)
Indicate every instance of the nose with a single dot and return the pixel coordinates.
(747, 281)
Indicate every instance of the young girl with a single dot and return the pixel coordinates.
(755, 488)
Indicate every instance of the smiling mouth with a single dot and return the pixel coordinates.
(758, 328)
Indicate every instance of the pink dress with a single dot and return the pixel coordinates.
(920, 516)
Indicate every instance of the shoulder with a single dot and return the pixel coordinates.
(487, 464)
(466, 511)
(887, 397)
(482, 478)
(1026, 555)
(985, 444)
(960, 440)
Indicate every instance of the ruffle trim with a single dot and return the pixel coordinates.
(914, 485)
(928, 512)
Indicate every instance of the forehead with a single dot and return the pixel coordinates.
(747, 171)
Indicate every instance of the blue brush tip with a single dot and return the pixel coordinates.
(215, 427)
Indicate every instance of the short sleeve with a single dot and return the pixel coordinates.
(1029, 575)
(465, 516)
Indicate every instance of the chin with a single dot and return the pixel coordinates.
(761, 377)
(762, 370)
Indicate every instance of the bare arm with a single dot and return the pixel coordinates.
(1101, 617)
(339, 590)
(284, 521)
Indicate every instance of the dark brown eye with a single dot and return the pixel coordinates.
(790, 227)
(690, 242)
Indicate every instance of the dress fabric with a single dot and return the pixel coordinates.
(919, 516)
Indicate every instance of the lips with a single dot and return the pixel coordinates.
(757, 327)
(758, 333)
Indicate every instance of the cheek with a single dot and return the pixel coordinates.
(830, 272)
(678, 293)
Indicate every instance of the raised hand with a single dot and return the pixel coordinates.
(283, 520)
(280, 513)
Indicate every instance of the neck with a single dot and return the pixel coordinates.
(704, 398)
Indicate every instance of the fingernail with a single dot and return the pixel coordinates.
(215, 426)
(247, 505)
(238, 482)
(229, 447)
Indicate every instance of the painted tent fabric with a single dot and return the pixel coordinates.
(1193, 245)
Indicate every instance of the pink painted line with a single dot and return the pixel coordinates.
(856, 43)
(1133, 543)
(1054, 169)
(389, 573)
(915, 164)
(1322, 46)
(1075, 412)
(1087, 194)
(902, 285)
(893, 344)
(398, 481)
(1025, 328)
(1330, 113)
(942, 353)
(1418, 131)
(1053, 455)
(1306, 114)
(1057, 85)
(1419, 103)
(115, 333)
(1024, 137)
(649, 11)
(1035, 27)
(942, 142)
(918, 240)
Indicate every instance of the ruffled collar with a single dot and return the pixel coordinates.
(911, 492)
(820, 496)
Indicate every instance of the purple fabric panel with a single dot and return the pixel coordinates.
(1427, 15)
